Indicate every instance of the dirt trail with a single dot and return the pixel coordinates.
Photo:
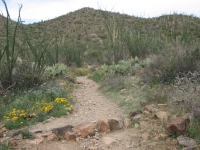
(92, 105)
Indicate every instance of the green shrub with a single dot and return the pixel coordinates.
(54, 71)
(121, 68)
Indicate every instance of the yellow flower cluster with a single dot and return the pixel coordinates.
(15, 114)
(45, 107)
(21, 116)
(81, 71)
(65, 102)
(60, 100)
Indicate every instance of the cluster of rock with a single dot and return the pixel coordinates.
(93, 130)
(175, 126)
(97, 130)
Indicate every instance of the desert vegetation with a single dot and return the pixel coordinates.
(136, 60)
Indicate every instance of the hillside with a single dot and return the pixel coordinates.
(88, 22)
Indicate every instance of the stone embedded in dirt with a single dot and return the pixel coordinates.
(19, 137)
(163, 116)
(186, 141)
(116, 123)
(37, 130)
(92, 148)
(161, 106)
(70, 136)
(149, 107)
(109, 141)
(179, 125)
(13, 143)
(171, 142)
(134, 113)
(84, 129)
(163, 136)
(35, 141)
(127, 122)
(45, 135)
(52, 137)
(60, 131)
(145, 136)
(103, 127)
(145, 112)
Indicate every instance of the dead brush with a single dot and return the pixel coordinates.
(187, 92)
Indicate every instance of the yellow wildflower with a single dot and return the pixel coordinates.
(14, 118)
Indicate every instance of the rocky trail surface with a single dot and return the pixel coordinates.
(98, 124)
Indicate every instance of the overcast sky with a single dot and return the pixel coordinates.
(37, 10)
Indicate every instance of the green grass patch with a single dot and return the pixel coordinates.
(37, 105)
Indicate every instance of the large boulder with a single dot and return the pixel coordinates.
(116, 123)
(179, 125)
(186, 141)
(60, 131)
(84, 129)
(103, 127)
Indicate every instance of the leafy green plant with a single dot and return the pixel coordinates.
(54, 71)
(26, 134)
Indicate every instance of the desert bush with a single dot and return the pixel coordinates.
(177, 57)
(138, 38)
(156, 94)
(187, 92)
(73, 51)
(94, 56)
(114, 83)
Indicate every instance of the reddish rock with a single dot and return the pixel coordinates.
(149, 107)
(179, 125)
(115, 123)
(103, 127)
(84, 129)
(52, 137)
(13, 143)
(70, 136)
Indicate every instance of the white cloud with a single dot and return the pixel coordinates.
(47, 9)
